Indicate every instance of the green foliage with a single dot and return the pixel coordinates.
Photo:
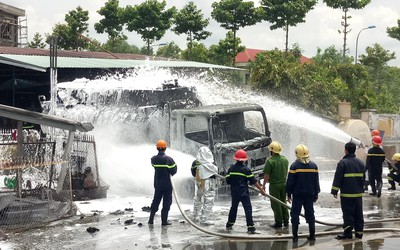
(120, 45)
(190, 21)
(112, 22)
(234, 14)
(376, 57)
(394, 32)
(149, 19)
(37, 42)
(280, 73)
(283, 14)
(347, 4)
(69, 34)
(223, 52)
(171, 50)
(198, 53)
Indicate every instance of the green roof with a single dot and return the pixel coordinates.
(41, 63)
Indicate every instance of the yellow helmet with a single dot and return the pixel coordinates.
(302, 151)
(396, 157)
(275, 147)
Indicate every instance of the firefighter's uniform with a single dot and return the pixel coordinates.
(375, 158)
(393, 175)
(277, 169)
(238, 177)
(164, 167)
(302, 187)
(349, 179)
(204, 169)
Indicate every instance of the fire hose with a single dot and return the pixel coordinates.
(274, 237)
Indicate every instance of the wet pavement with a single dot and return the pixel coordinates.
(111, 215)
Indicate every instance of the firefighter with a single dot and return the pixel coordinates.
(394, 175)
(375, 159)
(374, 132)
(238, 177)
(302, 188)
(205, 172)
(349, 179)
(275, 173)
(164, 167)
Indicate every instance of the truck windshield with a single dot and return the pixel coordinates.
(235, 127)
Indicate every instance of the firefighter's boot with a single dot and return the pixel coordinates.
(295, 229)
(164, 218)
(311, 229)
(347, 234)
(151, 218)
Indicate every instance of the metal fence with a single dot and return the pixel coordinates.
(28, 178)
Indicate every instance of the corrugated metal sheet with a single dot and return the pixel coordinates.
(41, 63)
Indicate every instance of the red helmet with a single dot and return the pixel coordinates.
(240, 155)
(376, 140)
(375, 132)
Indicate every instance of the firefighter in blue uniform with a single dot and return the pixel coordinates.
(302, 188)
(394, 175)
(164, 167)
(238, 177)
(349, 179)
(375, 159)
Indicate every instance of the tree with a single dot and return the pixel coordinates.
(37, 42)
(223, 52)
(70, 34)
(149, 19)
(120, 45)
(394, 32)
(171, 50)
(280, 74)
(330, 57)
(234, 14)
(345, 5)
(190, 21)
(376, 59)
(283, 14)
(198, 53)
(112, 23)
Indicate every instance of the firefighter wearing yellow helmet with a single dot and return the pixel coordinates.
(302, 188)
(275, 172)
(394, 175)
(164, 167)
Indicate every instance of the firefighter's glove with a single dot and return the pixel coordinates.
(316, 198)
(289, 198)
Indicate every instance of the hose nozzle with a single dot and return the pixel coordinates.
(357, 142)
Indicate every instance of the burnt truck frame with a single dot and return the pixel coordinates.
(224, 128)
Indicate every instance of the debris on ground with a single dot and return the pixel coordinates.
(92, 229)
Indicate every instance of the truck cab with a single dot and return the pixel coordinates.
(224, 128)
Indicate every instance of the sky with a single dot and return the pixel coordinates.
(319, 31)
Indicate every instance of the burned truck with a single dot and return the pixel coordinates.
(174, 113)
(224, 129)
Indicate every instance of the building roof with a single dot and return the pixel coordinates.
(250, 54)
(38, 59)
(43, 119)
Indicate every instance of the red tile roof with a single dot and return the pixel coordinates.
(250, 54)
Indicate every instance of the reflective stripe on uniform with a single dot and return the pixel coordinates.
(375, 154)
(335, 188)
(351, 195)
(303, 170)
(164, 166)
(240, 174)
(354, 175)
